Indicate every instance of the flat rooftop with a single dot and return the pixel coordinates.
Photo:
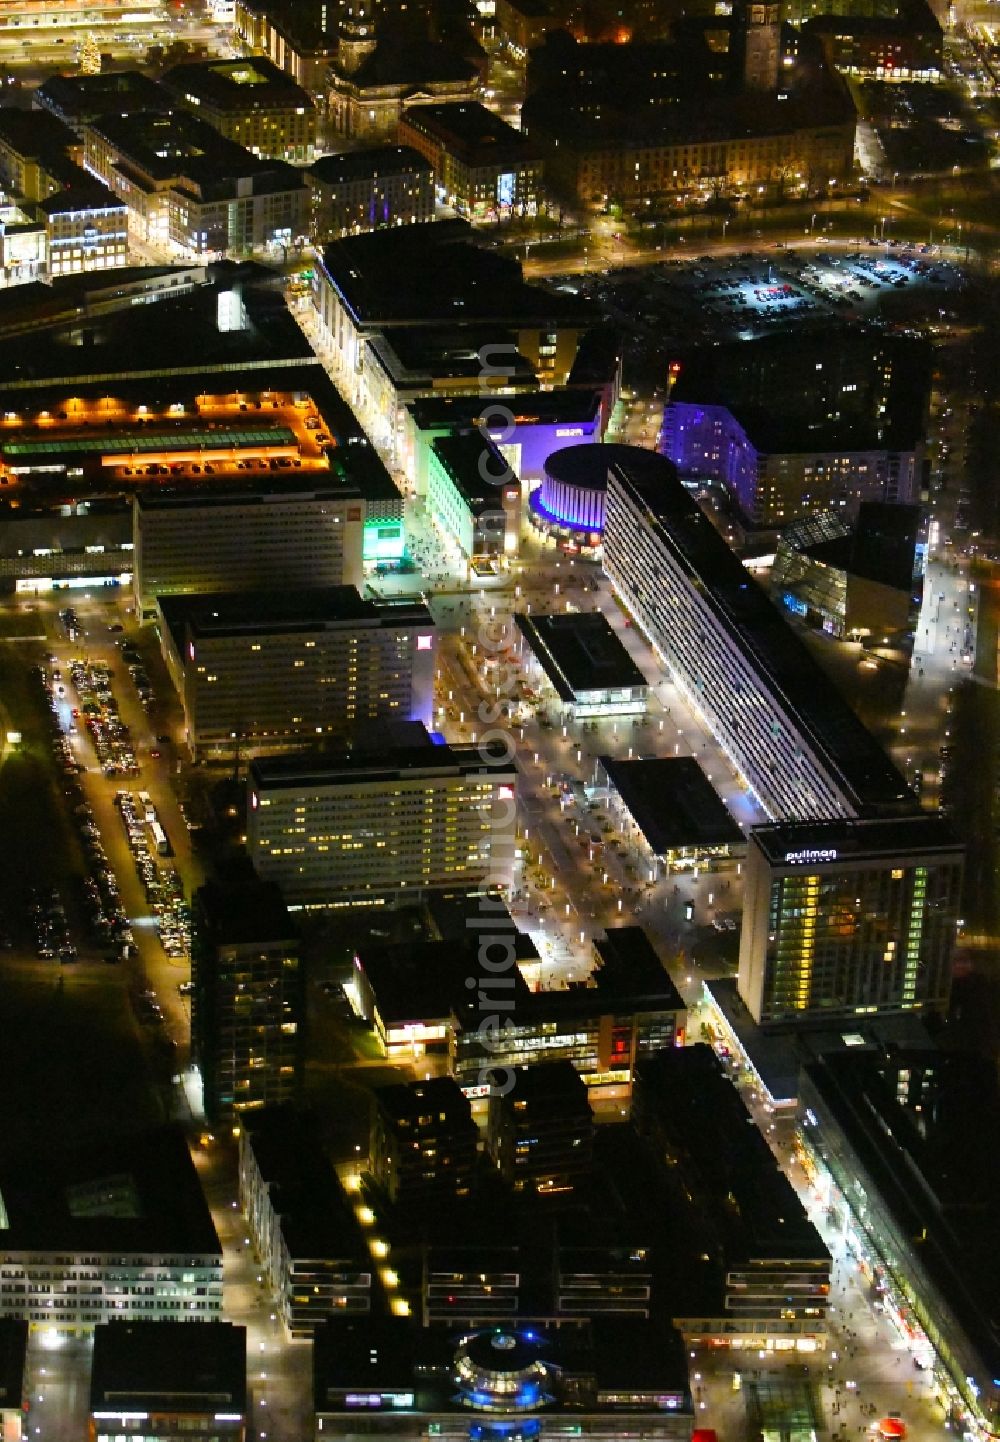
(172, 145)
(579, 653)
(405, 1103)
(431, 274)
(180, 1367)
(140, 1194)
(560, 407)
(470, 131)
(628, 966)
(782, 661)
(672, 802)
(870, 839)
(239, 913)
(389, 762)
(253, 83)
(317, 1219)
(425, 980)
(475, 467)
(723, 1159)
(378, 162)
(280, 613)
(83, 97)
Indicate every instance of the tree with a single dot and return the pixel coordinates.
(90, 56)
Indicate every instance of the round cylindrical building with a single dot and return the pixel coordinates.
(569, 503)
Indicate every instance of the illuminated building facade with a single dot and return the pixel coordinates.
(482, 166)
(785, 726)
(248, 1004)
(571, 500)
(907, 45)
(121, 1234)
(251, 102)
(668, 813)
(368, 826)
(265, 671)
(303, 1227)
(161, 1381)
(845, 919)
(580, 664)
(366, 189)
(400, 1380)
(917, 1213)
(473, 497)
(243, 540)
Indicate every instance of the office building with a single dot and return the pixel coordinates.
(431, 282)
(417, 1382)
(418, 1004)
(668, 813)
(14, 1382)
(185, 185)
(901, 1148)
(266, 671)
(248, 1004)
(525, 429)
(483, 167)
(540, 1133)
(847, 918)
(169, 1380)
(641, 124)
(849, 428)
(474, 498)
(579, 664)
(249, 101)
(424, 1143)
(121, 1232)
(366, 189)
(793, 738)
(302, 1225)
(370, 826)
(300, 38)
(859, 583)
(246, 539)
(762, 1274)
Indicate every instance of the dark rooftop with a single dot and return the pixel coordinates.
(474, 466)
(360, 765)
(243, 913)
(140, 1194)
(672, 802)
(470, 131)
(556, 407)
(426, 979)
(442, 1094)
(629, 967)
(783, 662)
(411, 62)
(254, 83)
(281, 612)
(902, 836)
(579, 652)
(37, 134)
(371, 164)
(181, 1367)
(13, 1354)
(176, 146)
(431, 274)
(81, 98)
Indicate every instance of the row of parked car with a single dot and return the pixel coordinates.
(99, 711)
(162, 885)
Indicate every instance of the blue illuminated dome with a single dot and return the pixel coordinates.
(574, 487)
(503, 1370)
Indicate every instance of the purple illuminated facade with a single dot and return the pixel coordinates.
(572, 494)
(708, 440)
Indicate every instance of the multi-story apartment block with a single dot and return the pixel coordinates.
(246, 540)
(122, 1233)
(845, 918)
(473, 496)
(186, 185)
(541, 1130)
(268, 671)
(248, 1005)
(363, 826)
(252, 102)
(424, 1143)
(78, 99)
(482, 166)
(301, 1224)
(367, 189)
(300, 39)
(786, 728)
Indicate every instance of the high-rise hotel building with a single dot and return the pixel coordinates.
(851, 901)
(845, 918)
(382, 825)
(261, 671)
(784, 725)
